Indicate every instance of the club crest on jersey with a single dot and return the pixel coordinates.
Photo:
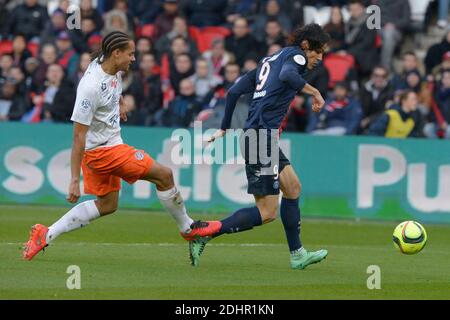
(139, 155)
(114, 83)
(85, 105)
(299, 59)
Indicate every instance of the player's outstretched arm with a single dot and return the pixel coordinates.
(79, 141)
(246, 84)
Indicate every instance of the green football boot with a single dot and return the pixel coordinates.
(303, 258)
(196, 248)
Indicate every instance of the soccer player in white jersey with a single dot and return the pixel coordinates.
(99, 151)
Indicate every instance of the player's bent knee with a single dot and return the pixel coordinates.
(269, 215)
(294, 191)
(109, 208)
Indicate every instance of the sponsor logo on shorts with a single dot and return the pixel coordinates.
(276, 185)
(139, 155)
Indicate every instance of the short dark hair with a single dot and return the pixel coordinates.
(404, 95)
(360, 2)
(313, 33)
(380, 66)
(410, 53)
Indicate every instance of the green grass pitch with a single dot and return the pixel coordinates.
(139, 255)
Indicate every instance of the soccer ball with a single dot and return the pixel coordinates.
(410, 237)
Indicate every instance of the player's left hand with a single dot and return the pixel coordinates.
(123, 109)
(218, 134)
(317, 103)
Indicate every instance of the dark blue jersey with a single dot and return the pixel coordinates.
(274, 84)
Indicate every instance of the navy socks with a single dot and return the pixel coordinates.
(242, 220)
(290, 216)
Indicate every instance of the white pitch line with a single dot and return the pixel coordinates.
(145, 244)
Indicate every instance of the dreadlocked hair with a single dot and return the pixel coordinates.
(112, 41)
(313, 33)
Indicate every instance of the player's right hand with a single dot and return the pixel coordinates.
(317, 103)
(74, 192)
(218, 134)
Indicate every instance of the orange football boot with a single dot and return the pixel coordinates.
(37, 241)
(202, 229)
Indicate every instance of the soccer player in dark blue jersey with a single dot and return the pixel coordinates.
(274, 84)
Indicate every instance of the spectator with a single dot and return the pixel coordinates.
(273, 48)
(28, 19)
(231, 74)
(249, 64)
(116, 20)
(87, 11)
(409, 63)
(143, 45)
(179, 29)
(273, 34)
(336, 29)
(436, 52)
(399, 121)
(18, 76)
(374, 95)
(6, 63)
(183, 108)
(94, 43)
(12, 104)
(122, 5)
(183, 69)
(272, 12)
(80, 38)
(31, 66)
(58, 95)
(20, 51)
(415, 83)
(204, 82)
(146, 90)
(395, 18)
(340, 116)
(205, 13)
(178, 46)
(56, 24)
(67, 57)
(217, 57)
(83, 64)
(145, 11)
(48, 57)
(241, 43)
(164, 22)
(445, 65)
(359, 40)
(238, 8)
(442, 98)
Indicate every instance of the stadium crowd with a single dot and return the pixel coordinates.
(189, 52)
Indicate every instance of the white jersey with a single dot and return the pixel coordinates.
(97, 106)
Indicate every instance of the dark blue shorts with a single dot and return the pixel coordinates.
(263, 170)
